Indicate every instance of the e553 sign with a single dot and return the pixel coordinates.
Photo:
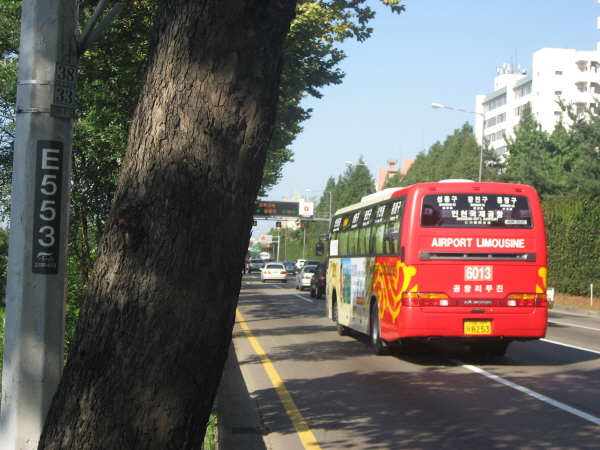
(47, 207)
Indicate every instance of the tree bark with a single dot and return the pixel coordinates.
(156, 322)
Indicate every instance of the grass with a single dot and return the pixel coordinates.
(211, 436)
(577, 302)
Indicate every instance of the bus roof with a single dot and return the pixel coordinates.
(389, 192)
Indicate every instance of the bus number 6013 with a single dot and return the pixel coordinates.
(478, 273)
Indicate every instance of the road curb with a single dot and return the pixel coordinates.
(573, 309)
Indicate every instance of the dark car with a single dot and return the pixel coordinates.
(312, 262)
(318, 281)
(255, 265)
(290, 267)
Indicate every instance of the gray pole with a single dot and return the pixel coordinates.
(35, 299)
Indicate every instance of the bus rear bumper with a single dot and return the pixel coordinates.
(529, 323)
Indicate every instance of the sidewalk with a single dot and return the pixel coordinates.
(240, 426)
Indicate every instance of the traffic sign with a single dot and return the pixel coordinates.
(276, 209)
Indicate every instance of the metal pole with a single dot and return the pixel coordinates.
(35, 299)
(482, 142)
(330, 201)
(304, 243)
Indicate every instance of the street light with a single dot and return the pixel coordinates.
(330, 201)
(361, 164)
(437, 105)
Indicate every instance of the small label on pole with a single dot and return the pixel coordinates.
(47, 207)
(63, 95)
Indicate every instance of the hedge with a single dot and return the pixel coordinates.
(573, 233)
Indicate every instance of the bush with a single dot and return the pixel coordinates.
(573, 232)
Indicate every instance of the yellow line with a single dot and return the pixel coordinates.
(306, 436)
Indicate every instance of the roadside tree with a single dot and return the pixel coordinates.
(156, 320)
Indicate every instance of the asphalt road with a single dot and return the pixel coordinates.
(304, 386)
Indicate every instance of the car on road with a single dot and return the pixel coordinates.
(312, 262)
(274, 271)
(290, 267)
(255, 265)
(318, 280)
(303, 277)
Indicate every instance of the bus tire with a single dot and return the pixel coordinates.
(341, 329)
(377, 344)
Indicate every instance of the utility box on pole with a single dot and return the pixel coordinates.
(36, 290)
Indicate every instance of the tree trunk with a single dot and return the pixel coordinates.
(156, 321)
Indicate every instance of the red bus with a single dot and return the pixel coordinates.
(456, 260)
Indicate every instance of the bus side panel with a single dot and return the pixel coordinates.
(391, 279)
(347, 283)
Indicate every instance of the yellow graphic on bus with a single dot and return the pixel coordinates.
(392, 279)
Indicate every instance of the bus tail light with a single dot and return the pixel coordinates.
(427, 299)
(529, 300)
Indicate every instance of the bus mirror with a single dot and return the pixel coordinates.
(320, 249)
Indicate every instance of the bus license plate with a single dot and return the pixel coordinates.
(478, 327)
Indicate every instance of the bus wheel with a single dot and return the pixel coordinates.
(341, 329)
(376, 343)
(499, 348)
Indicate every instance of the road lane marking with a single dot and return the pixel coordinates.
(303, 298)
(297, 295)
(571, 346)
(309, 442)
(571, 325)
(543, 398)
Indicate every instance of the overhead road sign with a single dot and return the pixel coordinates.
(276, 209)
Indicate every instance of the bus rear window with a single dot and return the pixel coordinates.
(476, 211)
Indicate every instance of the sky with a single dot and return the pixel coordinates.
(437, 51)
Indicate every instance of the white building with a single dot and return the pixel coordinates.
(570, 75)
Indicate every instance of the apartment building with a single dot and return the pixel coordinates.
(557, 74)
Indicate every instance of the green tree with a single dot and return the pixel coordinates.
(458, 157)
(3, 264)
(10, 11)
(581, 154)
(352, 185)
(532, 157)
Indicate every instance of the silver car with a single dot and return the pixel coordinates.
(304, 276)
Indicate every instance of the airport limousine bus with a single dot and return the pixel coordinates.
(456, 260)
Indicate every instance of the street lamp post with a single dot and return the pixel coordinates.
(437, 105)
(361, 164)
(330, 202)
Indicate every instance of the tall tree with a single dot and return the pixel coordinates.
(156, 321)
(580, 157)
(457, 157)
(9, 43)
(352, 185)
(532, 157)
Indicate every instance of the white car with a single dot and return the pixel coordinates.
(304, 276)
(273, 271)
